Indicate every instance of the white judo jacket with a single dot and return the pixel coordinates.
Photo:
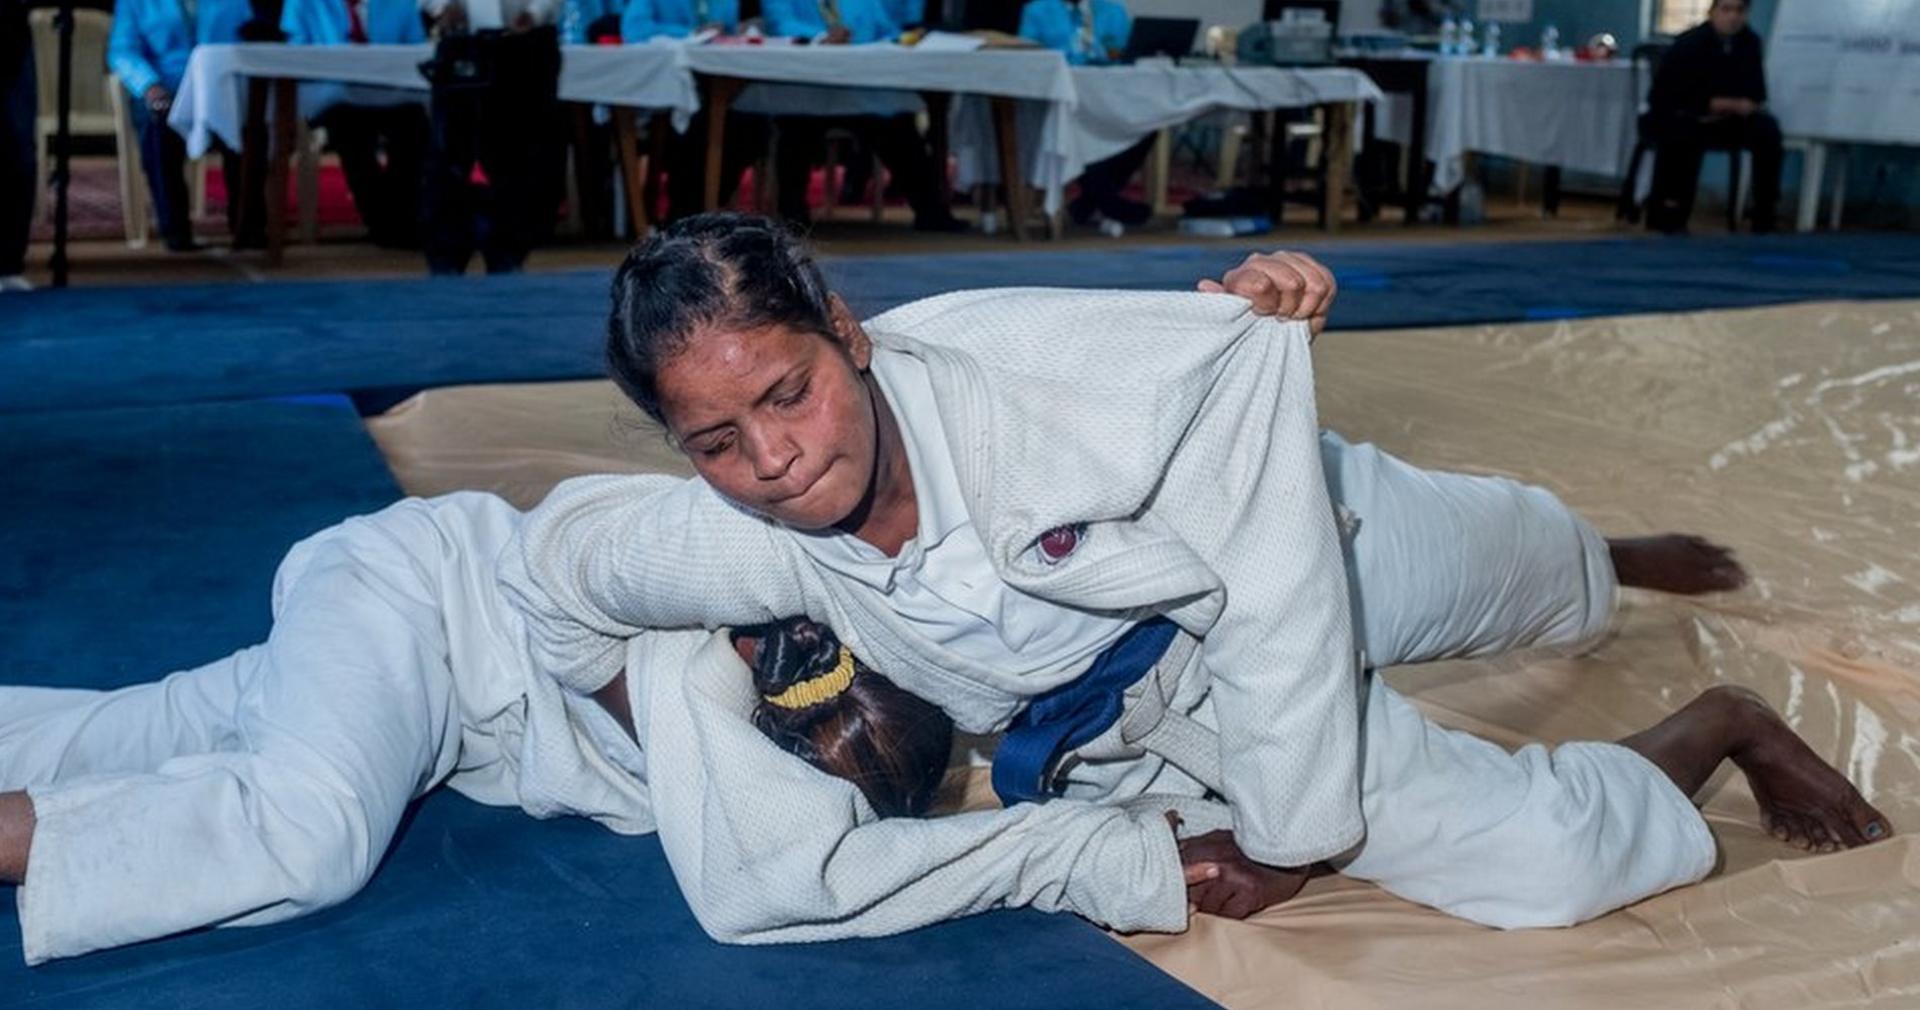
(1178, 429)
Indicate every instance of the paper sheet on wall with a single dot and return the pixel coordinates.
(1846, 70)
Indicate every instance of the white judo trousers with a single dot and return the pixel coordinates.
(269, 783)
(1450, 566)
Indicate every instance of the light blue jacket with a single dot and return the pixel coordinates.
(647, 19)
(1055, 25)
(151, 39)
(905, 12)
(324, 22)
(865, 20)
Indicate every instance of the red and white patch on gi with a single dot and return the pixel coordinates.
(1059, 542)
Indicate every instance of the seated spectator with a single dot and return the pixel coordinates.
(1711, 92)
(646, 20)
(676, 19)
(1093, 32)
(363, 124)
(886, 130)
(148, 50)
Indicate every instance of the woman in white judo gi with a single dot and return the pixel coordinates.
(269, 783)
(986, 493)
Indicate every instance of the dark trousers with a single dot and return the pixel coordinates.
(511, 125)
(1676, 168)
(1103, 180)
(18, 108)
(745, 142)
(163, 157)
(893, 138)
(387, 195)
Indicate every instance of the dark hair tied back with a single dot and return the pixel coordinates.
(737, 271)
(891, 744)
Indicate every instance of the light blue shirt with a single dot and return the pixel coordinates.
(324, 22)
(865, 20)
(151, 39)
(648, 19)
(905, 12)
(1056, 24)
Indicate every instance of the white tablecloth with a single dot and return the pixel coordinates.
(816, 80)
(211, 102)
(1117, 106)
(1578, 116)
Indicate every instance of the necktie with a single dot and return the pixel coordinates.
(830, 13)
(356, 22)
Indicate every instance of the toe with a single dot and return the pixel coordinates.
(1863, 823)
(1818, 840)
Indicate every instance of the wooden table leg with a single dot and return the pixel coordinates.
(1006, 131)
(720, 93)
(659, 135)
(254, 155)
(939, 105)
(1336, 148)
(286, 111)
(632, 179)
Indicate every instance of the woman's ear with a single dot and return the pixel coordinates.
(847, 329)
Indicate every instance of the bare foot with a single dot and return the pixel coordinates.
(1675, 563)
(1803, 800)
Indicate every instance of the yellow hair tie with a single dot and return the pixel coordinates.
(815, 690)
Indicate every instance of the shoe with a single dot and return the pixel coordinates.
(183, 244)
(1127, 212)
(15, 282)
(940, 221)
(1082, 211)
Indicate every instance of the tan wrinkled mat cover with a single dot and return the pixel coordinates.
(1792, 434)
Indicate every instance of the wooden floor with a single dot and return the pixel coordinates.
(342, 252)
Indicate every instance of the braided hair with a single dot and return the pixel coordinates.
(891, 744)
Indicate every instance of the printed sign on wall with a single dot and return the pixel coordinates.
(1846, 70)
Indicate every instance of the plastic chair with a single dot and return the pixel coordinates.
(91, 113)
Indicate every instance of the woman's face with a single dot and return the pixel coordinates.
(777, 420)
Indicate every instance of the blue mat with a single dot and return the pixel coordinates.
(137, 541)
(62, 350)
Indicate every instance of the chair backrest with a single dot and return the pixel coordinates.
(90, 29)
(1648, 53)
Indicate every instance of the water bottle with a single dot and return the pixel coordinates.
(1464, 46)
(1449, 36)
(573, 27)
(1550, 43)
(1491, 49)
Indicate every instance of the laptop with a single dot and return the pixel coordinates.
(1161, 37)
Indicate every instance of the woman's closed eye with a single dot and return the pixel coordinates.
(795, 398)
(714, 448)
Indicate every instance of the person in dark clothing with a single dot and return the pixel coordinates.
(18, 108)
(1711, 93)
(495, 102)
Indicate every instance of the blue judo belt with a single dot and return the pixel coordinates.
(1074, 713)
